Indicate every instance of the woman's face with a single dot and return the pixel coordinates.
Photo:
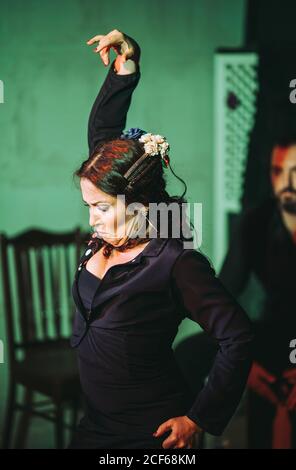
(107, 214)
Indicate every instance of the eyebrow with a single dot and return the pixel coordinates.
(281, 166)
(97, 202)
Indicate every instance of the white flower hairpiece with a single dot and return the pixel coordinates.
(155, 144)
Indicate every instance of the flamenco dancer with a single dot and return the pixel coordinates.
(132, 291)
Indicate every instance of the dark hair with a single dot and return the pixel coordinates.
(111, 160)
(284, 128)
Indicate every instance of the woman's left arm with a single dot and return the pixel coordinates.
(205, 301)
(202, 298)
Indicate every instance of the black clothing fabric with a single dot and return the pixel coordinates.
(90, 433)
(125, 325)
(108, 114)
(263, 246)
(260, 422)
(129, 376)
(89, 436)
(87, 287)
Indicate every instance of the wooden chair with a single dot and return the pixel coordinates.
(37, 273)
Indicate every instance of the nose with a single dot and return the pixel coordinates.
(93, 218)
(285, 180)
(292, 179)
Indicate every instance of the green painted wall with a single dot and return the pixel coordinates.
(51, 78)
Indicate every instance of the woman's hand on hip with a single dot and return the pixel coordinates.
(126, 49)
(183, 432)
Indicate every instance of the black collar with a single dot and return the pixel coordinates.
(153, 248)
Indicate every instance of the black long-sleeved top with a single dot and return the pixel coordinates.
(108, 114)
(262, 246)
(124, 333)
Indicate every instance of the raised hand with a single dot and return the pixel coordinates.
(125, 47)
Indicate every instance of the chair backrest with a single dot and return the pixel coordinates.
(37, 273)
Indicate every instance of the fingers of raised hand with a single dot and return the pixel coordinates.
(111, 39)
(94, 39)
(104, 53)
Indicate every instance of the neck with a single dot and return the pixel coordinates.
(113, 251)
(289, 221)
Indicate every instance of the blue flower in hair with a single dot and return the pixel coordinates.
(133, 133)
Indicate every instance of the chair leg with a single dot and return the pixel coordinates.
(8, 424)
(23, 426)
(59, 426)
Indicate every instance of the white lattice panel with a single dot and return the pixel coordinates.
(236, 87)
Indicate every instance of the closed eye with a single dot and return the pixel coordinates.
(101, 208)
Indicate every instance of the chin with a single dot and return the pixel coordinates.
(107, 239)
(102, 237)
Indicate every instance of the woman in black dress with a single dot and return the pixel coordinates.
(132, 292)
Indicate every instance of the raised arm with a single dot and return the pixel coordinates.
(108, 114)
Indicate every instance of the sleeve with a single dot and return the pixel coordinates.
(203, 299)
(236, 267)
(108, 114)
